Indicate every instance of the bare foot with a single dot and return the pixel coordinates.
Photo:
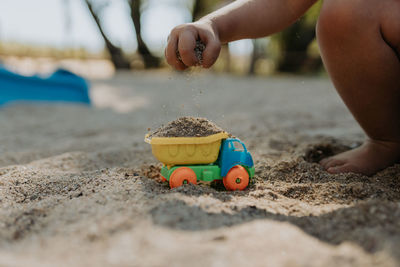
(369, 158)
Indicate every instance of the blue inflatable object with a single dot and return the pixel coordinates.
(61, 86)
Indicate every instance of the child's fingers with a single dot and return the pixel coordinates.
(186, 45)
(213, 47)
(211, 53)
(170, 53)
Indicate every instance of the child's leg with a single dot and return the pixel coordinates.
(360, 47)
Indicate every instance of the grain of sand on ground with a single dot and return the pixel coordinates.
(79, 187)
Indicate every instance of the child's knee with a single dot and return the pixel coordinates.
(339, 18)
(344, 20)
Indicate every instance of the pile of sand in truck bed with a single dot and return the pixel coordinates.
(187, 127)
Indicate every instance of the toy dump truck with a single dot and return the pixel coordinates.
(209, 158)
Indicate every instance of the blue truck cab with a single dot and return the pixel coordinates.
(233, 152)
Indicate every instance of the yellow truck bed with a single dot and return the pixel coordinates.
(186, 150)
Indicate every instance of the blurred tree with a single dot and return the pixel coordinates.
(200, 8)
(294, 43)
(67, 22)
(116, 54)
(67, 16)
(150, 61)
(255, 55)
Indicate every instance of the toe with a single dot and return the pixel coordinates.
(334, 163)
(325, 161)
(345, 168)
(335, 170)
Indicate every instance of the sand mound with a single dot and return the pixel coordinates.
(187, 127)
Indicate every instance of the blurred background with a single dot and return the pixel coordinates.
(96, 38)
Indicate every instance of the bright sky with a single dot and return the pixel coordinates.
(44, 22)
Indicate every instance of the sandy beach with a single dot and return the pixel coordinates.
(80, 187)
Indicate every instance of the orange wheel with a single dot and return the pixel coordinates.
(163, 179)
(236, 179)
(181, 176)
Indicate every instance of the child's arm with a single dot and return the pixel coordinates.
(239, 20)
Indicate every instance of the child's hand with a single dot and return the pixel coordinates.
(180, 51)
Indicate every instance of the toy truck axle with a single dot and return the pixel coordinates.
(238, 179)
